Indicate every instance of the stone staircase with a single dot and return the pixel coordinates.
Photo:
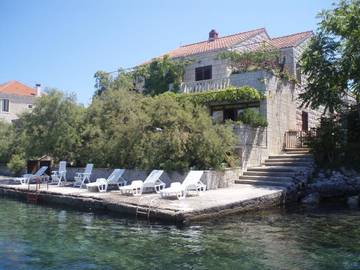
(279, 170)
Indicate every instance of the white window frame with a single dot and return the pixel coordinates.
(3, 104)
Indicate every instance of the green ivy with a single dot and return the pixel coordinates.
(231, 94)
(265, 58)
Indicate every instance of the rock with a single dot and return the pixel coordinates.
(353, 201)
(312, 198)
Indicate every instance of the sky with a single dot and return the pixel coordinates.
(62, 43)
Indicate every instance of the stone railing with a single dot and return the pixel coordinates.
(205, 85)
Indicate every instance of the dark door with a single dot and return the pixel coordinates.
(305, 121)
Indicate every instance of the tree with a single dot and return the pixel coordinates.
(7, 135)
(105, 81)
(52, 128)
(129, 130)
(160, 74)
(332, 61)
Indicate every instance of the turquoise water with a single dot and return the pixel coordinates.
(39, 237)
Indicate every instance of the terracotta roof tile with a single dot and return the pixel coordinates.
(17, 88)
(291, 40)
(217, 44)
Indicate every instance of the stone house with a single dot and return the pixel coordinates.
(16, 98)
(286, 120)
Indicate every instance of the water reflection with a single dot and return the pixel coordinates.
(37, 237)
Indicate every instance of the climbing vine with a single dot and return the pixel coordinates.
(231, 94)
(265, 58)
(160, 73)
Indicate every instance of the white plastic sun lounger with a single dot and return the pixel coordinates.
(59, 177)
(180, 190)
(152, 182)
(28, 177)
(81, 178)
(114, 178)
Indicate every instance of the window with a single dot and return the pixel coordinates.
(30, 106)
(305, 121)
(218, 116)
(5, 105)
(203, 73)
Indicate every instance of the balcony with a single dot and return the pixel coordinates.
(256, 79)
(205, 85)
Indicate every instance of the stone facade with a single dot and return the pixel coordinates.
(281, 107)
(17, 106)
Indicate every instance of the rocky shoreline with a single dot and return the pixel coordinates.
(335, 184)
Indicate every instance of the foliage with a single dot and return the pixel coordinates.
(253, 118)
(231, 94)
(52, 128)
(332, 61)
(327, 145)
(265, 57)
(6, 138)
(16, 164)
(105, 81)
(132, 131)
(160, 73)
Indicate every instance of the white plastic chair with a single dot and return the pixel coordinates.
(82, 178)
(58, 177)
(191, 182)
(151, 182)
(26, 178)
(114, 178)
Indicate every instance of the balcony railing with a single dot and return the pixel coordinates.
(206, 85)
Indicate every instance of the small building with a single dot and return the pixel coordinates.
(16, 98)
(281, 106)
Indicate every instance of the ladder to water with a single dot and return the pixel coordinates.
(145, 211)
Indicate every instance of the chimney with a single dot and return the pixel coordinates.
(213, 35)
(38, 89)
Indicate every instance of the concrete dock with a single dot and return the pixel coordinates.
(212, 203)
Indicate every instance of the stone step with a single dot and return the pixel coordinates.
(288, 163)
(269, 173)
(290, 159)
(274, 169)
(280, 179)
(297, 149)
(304, 152)
(263, 183)
(292, 156)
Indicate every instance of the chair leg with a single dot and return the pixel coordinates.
(181, 195)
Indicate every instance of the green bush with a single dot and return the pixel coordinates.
(6, 139)
(231, 94)
(16, 164)
(328, 145)
(253, 118)
(130, 130)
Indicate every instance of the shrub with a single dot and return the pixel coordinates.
(132, 131)
(253, 118)
(16, 164)
(328, 145)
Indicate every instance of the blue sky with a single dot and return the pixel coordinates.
(62, 43)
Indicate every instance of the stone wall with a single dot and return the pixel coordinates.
(17, 105)
(212, 179)
(253, 78)
(280, 112)
(251, 145)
